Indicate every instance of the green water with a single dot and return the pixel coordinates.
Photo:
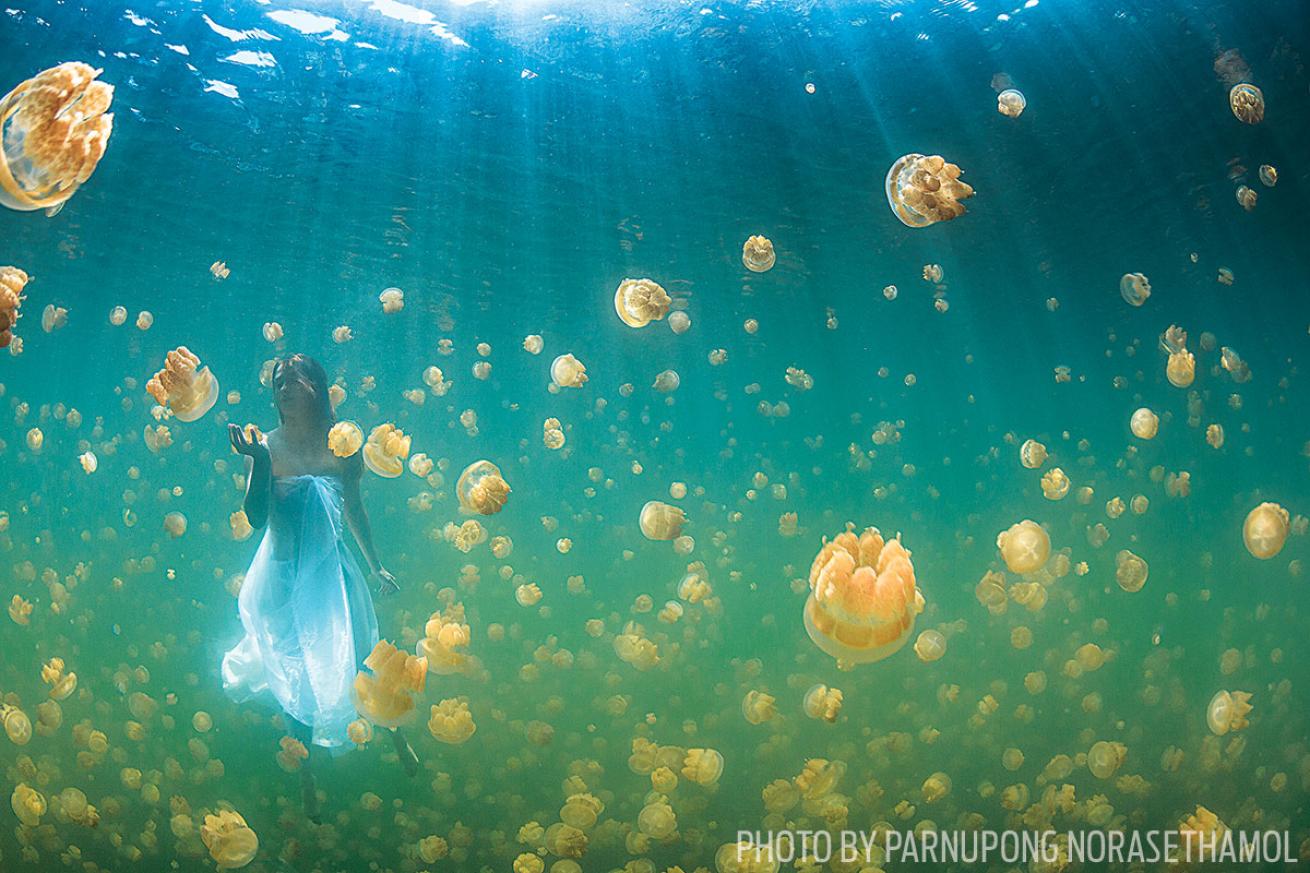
(506, 167)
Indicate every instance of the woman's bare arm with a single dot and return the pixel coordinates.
(357, 520)
(259, 475)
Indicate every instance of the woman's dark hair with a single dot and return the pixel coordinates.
(311, 372)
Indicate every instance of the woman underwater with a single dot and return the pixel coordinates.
(308, 618)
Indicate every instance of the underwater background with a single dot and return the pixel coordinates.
(507, 166)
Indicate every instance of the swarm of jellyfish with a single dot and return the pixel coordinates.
(55, 133)
(924, 190)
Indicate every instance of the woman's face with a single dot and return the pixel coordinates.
(294, 393)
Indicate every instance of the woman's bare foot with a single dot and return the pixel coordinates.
(408, 759)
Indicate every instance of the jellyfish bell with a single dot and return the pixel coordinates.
(481, 489)
(1180, 369)
(863, 598)
(345, 439)
(1134, 288)
(231, 843)
(638, 302)
(385, 696)
(924, 190)
(386, 451)
(1025, 546)
(1247, 102)
(757, 254)
(54, 130)
(1227, 711)
(183, 386)
(1265, 530)
(567, 371)
(661, 521)
(1268, 175)
(1144, 424)
(1011, 103)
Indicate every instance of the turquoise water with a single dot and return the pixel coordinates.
(507, 166)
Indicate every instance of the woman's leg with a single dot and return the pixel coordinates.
(408, 759)
(308, 785)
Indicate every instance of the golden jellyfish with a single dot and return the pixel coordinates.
(935, 787)
(386, 451)
(1268, 175)
(345, 439)
(432, 849)
(1055, 484)
(445, 635)
(12, 282)
(1247, 102)
(118, 316)
(18, 727)
(932, 273)
(661, 521)
(567, 371)
(360, 731)
(1011, 103)
(1130, 571)
(20, 610)
(392, 300)
(239, 524)
(291, 754)
(758, 707)
(822, 702)
(175, 523)
(386, 695)
(1134, 288)
(679, 322)
(90, 463)
(35, 439)
(1224, 276)
(481, 489)
(1144, 424)
(527, 862)
(657, 820)
(924, 190)
(28, 804)
(667, 381)
(702, 766)
(930, 646)
(53, 318)
(1265, 530)
(451, 721)
(272, 331)
(1246, 198)
(144, 320)
(183, 386)
(863, 599)
(1104, 758)
(1032, 454)
(757, 254)
(1180, 370)
(55, 133)
(639, 302)
(1025, 547)
(229, 839)
(219, 270)
(1227, 712)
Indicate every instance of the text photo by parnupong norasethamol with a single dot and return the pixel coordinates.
(562, 436)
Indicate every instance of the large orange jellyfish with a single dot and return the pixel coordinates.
(386, 696)
(55, 132)
(641, 301)
(925, 190)
(229, 839)
(184, 386)
(12, 282)
(481, 489)
(863, 598)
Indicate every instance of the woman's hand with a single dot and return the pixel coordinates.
(255, 449)
(387, 583)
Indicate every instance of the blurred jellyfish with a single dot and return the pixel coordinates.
(639, 302)
(481, 489)
(757, 254)
(933, 273)
(1268, 175)
(182, 386)
(567, 371)
(1025, 547)
(1134, 288)
(392, 300)
(176, 524)
(28, 805)
(55, 132)
(1246, 197)
(1011, 103)
(1104, 758)
(1247, 103)
(863, 599)
(53, 318)
(230, 841)
(924, 190)
(1130, 571)
(17, 725)
(1265, 530)
(758, 707)
(1233, 363)
(667, 382)
(679, 322)
(386, 451)
(661, 521)
(1227, 712)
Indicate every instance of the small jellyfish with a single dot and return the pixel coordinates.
(667, 382)
(55, 133)
(342, 334)
(702, 766)
(863, 599)
(272, 331)
(1134, 288)
(639, 302)
(175, 523)
(1130, 571)
(1055, 484)
(933, 273)
(1268, 175)
(1180, 370)
(533, 344)
(567, 371)
(360, 731)
(229, 840)
(386, 451)
(930, 646)
(1144, 424)
(1025, 546)
(53, 318)
(1224, 276)
(89, 462)
(1247, 103)
(935, 787)
(144, 320)
(1104, 758)
(1032, 454)
(392, 300)
(924, 190)
(657, 820)
(451, 721)
(1265, 530)
(481, 489)
(1011, 103)
(345, 439)
(822, 702)
(118, 316)
(183, 386)
(17, 725)
(890, 292)
(757, 254)
(679, 322)
(758, 707)
(385, 696)
(1227, 712)
(1246, 197)
(661, 521)
(28, 805)
(1232, 362)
